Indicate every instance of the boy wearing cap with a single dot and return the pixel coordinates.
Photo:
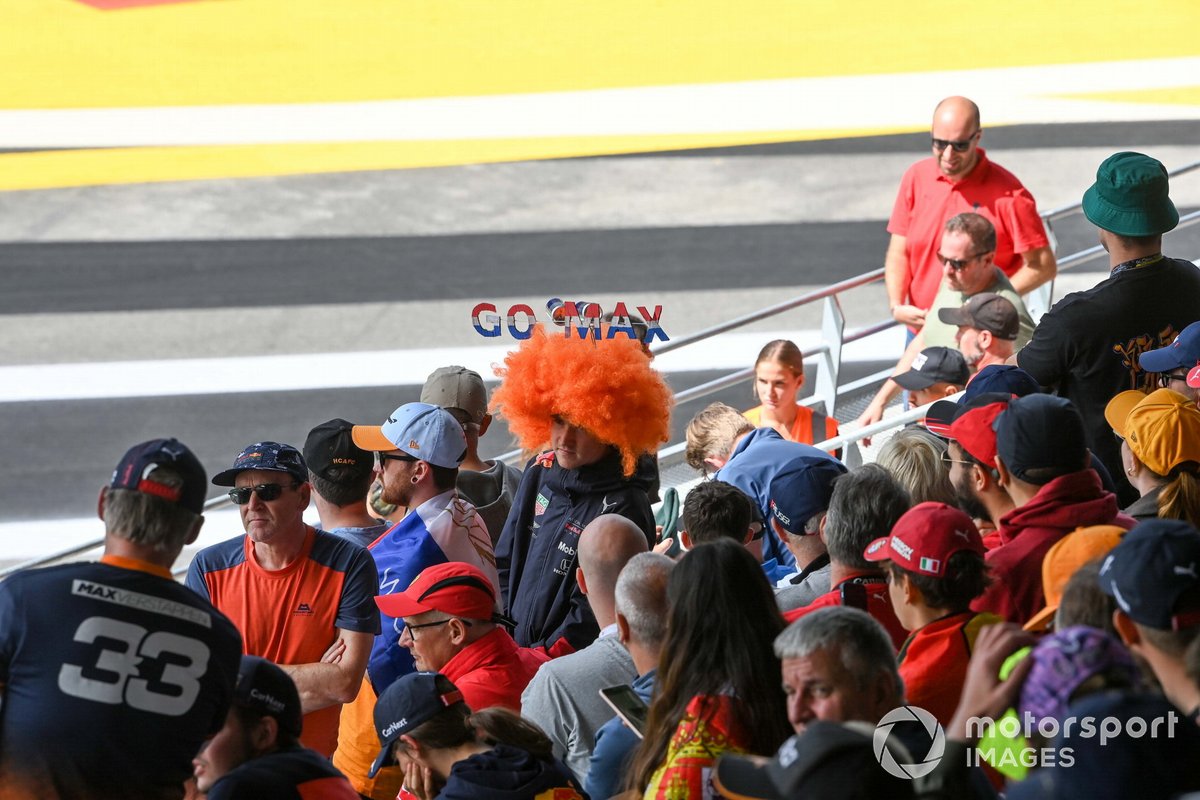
(935, 569)
(303, 598)
(112, 674)
(1178, 364)
(257, 754)
(418, 449)
(340, 473)
(488, 485)
(1088, 346)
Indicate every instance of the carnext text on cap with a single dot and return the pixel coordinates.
(580, 318)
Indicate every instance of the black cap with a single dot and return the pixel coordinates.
(935, 365)
(411, 701)
(1041, 432)
(329, 445)
(263, 687)
(1153, 567)
(141, 459)
(266, 456)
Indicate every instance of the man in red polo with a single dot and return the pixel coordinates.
(959, 177)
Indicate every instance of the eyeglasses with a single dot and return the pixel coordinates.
(412, 629)
(957, 264)
(959, 147)
(381, 459)
(1164, 379)
(947, 461)
(265, 491)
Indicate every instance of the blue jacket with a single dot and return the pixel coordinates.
(537, 552)
(615, 744)
(509, 773)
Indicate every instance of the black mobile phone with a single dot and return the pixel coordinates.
(854, 595)
(629, 707)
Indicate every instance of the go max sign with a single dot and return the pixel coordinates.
(585, 319)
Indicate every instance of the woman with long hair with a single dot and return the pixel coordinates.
(1160, 451)
(718, 679)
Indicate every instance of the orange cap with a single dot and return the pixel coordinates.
(1162, 428)
(1065, 558)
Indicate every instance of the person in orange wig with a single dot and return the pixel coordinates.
(601, 408)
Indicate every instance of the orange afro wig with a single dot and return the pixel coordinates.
(606, 386)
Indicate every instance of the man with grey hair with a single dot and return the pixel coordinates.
(864, 506)
(114, 668)
(563, 698)
(641, 605)
(838, 664)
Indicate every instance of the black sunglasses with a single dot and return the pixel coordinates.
(1165, 378)
(957, 264)
(382, 458)
(265, 491)
(958, 147)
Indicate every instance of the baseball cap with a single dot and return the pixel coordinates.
(1156, 564)
(986, 311)
(1041, 432)
(1131, 196)
(1064, 559)
(935, 365)
(1183, 353)
(969, 422)
(264, 687)
(801, 489)
(829, 760)
(455, 588)
(925, 537)
(1161, 428)
(268, 457)
(1064, 661)
(409, 702)
(459, 388)
(1003, 378)
(422, 430)
(142, 459)
(329, 445)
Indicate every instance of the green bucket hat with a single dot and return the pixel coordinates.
(1129, 197)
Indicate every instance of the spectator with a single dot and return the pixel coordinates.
(449, 752)
(959, 178)
(778, 376)
(451, 626)
(865, 506)
(258, 752)
(563, 699)
(935, 569)
(76, 710)
(1042, 461)
(1001, 379)
(936, 372)
(714, 510)
(717, 688)
(916, 458)
(1063, 560)
(418, 451)
(1088, 346)
(642, 611)
(301, 598)
(1152, 574)
(1084, 602)
(1177, 364)
(488, 485)
(601, 407)
(340, 473)
(987, 329)
(711, 436)
(1160, 449)
(838, 664)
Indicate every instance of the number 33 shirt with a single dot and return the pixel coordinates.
(112, 675)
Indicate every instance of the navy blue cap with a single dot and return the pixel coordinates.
(1153, 567)
(411, 701)
(1001, 378)
(944, 412)
(268, 457)
(935, 365)
(1183, 353)
(1041, 432)
(267, 689)
(801, 489)
(142, 459)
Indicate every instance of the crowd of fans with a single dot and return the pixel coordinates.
(463, 631)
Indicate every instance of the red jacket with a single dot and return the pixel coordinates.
(1028, 532)
(493, 671)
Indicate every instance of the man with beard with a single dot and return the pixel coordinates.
(987, 329)
(418, 451)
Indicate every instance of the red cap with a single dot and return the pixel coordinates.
(973, 432)
(455, 588)
(925, 537)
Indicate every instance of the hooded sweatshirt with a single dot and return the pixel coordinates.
(538, 551)
(1029, 531)
(509, 773)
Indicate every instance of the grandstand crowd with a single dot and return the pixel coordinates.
(938, 624)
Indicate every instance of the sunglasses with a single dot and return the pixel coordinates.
(265, 491)
(958, 264)
(382, 458)
(958, 146)
(1164, 380)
